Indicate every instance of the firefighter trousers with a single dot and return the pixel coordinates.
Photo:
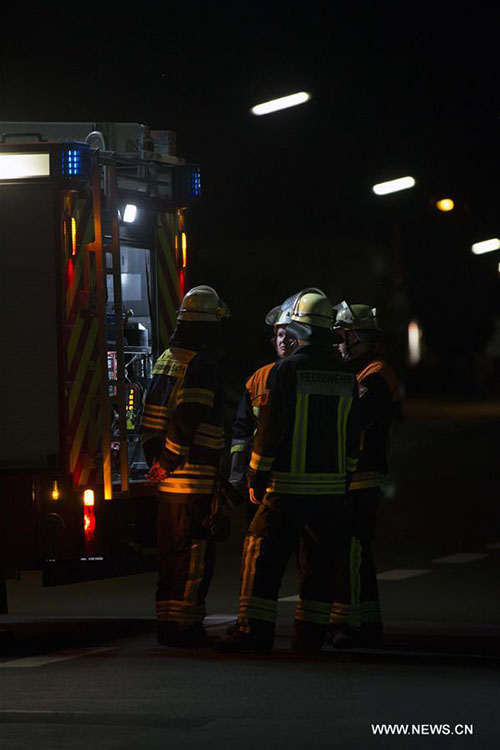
(271, 540)
(186, 559)
(361, 511)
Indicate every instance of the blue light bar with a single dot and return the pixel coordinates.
(195, 182)
(72, 162)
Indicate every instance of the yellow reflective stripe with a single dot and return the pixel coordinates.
(305, 417)
(208, 442)
(155, 423)
(238, 447)
(352, 463)
(155, 410)
(306, 484)
(299, 432)
(260, 463)
(210, 429)
(256, 410)
(347, 409)
(187, 485)
(179, 450)
(257, 608)
(195, 396)
(312, 611)
(196, 469)
(251, 554)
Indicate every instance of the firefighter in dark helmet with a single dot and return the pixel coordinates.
(182, 432)
(363, 346)
(305, 449)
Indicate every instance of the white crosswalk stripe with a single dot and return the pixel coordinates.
(399, 574)
(43, 659)
(460, 557)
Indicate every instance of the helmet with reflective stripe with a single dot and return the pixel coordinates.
(203, 304)
(357, 317)
(312, 307)
(362, 319)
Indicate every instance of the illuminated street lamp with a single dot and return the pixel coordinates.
(445, 204)
(486, 246)
(283, 102)
(393, 186)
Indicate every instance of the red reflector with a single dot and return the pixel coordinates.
(89, 522)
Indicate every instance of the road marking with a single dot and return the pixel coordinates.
(294, 598)
(213, 621)
(495, 545)
(40, 661)
(399, 574)
(460, 557)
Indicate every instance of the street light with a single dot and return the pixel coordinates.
(283, 102)
(394, 186)
(445, 204)
(486, 246)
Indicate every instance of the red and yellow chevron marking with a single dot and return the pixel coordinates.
(169, 292)
(83, 417)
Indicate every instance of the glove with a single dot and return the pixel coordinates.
(156, 473)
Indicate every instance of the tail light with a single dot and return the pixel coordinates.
(89, 515)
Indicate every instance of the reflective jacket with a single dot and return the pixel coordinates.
(183, 420)
(379, 395)
(307, 440)
(245, 423)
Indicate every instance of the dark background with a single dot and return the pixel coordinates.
(397, 89)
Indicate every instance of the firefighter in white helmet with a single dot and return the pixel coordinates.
(182, 432)
(304, 451)
(363, 346)
(255, 396)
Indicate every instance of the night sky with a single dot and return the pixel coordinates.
(397, 88)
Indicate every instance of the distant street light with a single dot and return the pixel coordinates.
(445, 204)
(283, 102)
(393, 186)
(486, 246)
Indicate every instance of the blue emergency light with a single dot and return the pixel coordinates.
(75, 160)
(194, 182)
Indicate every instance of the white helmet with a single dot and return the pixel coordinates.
(312, 307)
(203, 304)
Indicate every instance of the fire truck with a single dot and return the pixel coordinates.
(93, 244)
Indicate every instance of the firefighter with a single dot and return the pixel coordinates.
(254, 396)
(363, 347)
(304, 452)
(182, 432)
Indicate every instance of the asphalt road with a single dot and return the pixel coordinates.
(82, 667)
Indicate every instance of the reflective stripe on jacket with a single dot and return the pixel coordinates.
(308, 437)
(245, 423)
(183, 420)
(379, 394)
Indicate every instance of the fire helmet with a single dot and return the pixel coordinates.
(203, 304)
(312, 306)
(311, 315)
(362, 319)
(281, 315)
